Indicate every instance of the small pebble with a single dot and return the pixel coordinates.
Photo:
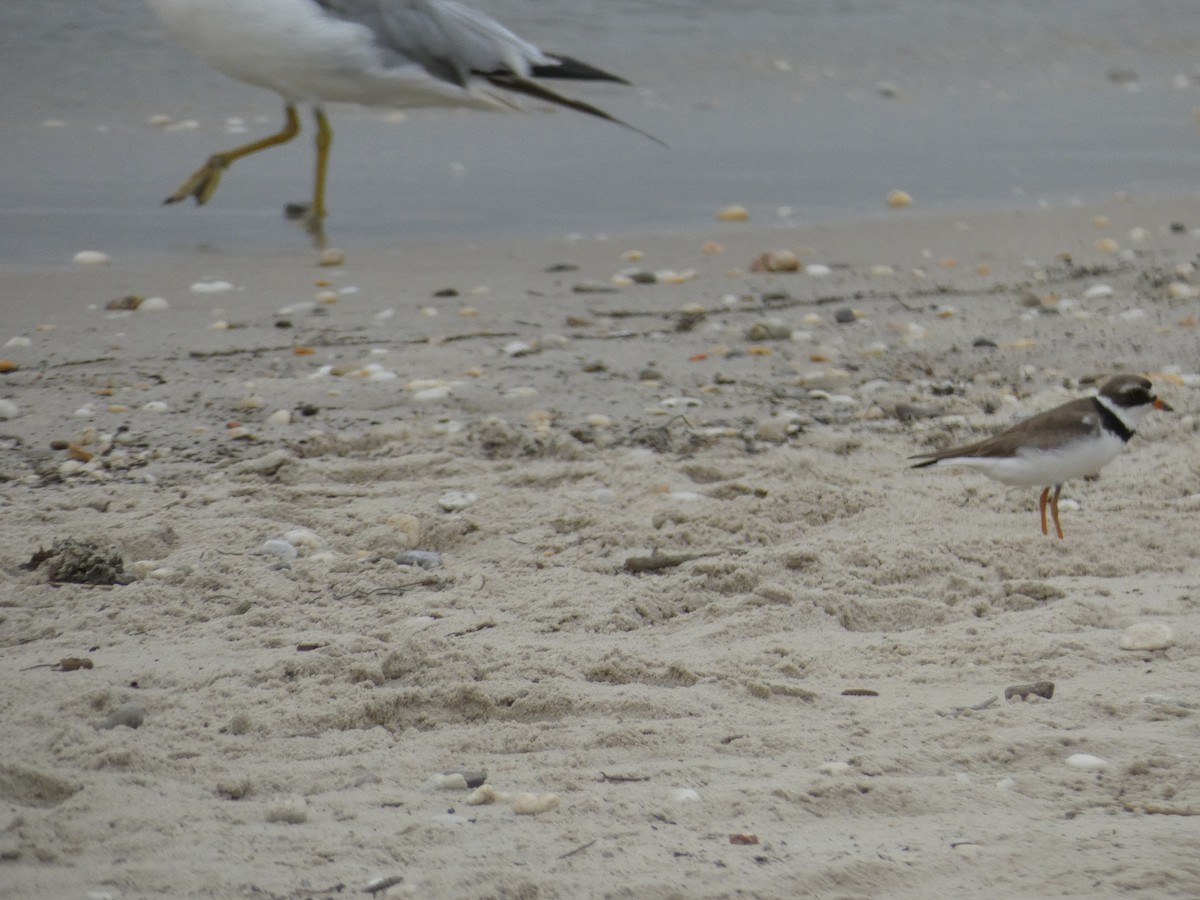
(484, 795)
(278, 547)
(280, 417)
(8, 410)
(817, 270)
(845, 316)
(424, 559)
(768, 330)
(534, 804)
(331, 257)
(211, 287)
(92, 258)
(130, 715)
(456, 501)
(685, 795)
(1146, 636)
(834, 768)
(1087, 762)
(455, 781)
(153, 304)
(733, 214)
(303, 537)
(288, 811)
(775, 261)
(899, 199)
(426, 395)
(155, 406)
(593, 287)
(519, 348)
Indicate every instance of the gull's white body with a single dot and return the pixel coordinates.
(307, 55)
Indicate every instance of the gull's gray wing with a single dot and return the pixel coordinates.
(450, 41)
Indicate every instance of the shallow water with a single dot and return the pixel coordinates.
(768, 104)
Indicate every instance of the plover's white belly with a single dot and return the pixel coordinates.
(1039, 468)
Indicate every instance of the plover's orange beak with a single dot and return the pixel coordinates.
(1163, 405)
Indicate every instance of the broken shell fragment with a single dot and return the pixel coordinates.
(775, 261)
(534, 804)
(733, 214)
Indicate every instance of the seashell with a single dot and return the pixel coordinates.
(484, 795)
(92, 258)
(534, 804)
(1107, 245)
(211, 287)
(733, 214)
(331, 257)
(899, 199)
(775, 261)
(278, 547)
(1087, 761)
(1146, 636)
(456, 501)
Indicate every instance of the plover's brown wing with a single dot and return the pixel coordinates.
(1049, 430)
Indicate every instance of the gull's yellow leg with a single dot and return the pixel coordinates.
(313, 214)
(203, 182)
(324, 142)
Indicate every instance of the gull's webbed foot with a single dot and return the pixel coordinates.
(202, 183)
(312, 220)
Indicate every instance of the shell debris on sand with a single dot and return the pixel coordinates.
(775, 261)
(1146, 636)
(527, 804)
(1087, 762)
(92, 258)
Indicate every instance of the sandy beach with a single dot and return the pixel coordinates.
(544, 546)
(647, 558)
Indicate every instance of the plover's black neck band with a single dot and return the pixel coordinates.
(1112, 422)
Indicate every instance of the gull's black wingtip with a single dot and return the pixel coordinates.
(568, 67)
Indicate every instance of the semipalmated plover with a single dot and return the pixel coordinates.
(1069, 441)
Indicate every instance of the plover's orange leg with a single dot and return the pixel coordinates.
(1042, 507)
(1054, 510)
